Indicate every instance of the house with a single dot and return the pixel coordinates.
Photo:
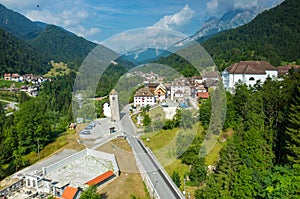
(203, 95)
(144, 97)
(7, 76)
(15, 77)
(180, 88)
(71, 193)
(248, 72)
(160, 92)
(178, 95)
(211, 83)
(284, 70)
(152, 86)
(210, 75)
(201, 92)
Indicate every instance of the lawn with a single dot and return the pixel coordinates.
(157, 114)
(213, 156)
(67, 140)
(7, 84)
(163, 142)
(160, 139)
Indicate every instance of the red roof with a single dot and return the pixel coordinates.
(203, 95)
(100, 178)
(69, 193)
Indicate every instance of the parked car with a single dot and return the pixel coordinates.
(85, 132)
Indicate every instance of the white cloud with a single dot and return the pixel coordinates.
(20, 5)
(176, 20)
(71, 20)
(149, 37)
(219, 7)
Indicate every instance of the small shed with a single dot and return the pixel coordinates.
(101, 179)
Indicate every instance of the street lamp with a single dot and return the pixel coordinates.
(184, 186)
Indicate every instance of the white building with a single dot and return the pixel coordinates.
(248, 72)
(144, 97)
(74, 171)
(180, 88)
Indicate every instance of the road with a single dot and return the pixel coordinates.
(12, 105)
(161, 183)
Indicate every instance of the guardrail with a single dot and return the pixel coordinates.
(161, 170)
(150, 187)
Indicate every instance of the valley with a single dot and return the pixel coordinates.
(213, 115)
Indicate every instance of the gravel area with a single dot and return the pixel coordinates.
(81, 170)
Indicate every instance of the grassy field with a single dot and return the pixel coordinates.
(157, 114)
(58, 69)
(67, 140)
(213, 156)
(163, 145)
(7, 84)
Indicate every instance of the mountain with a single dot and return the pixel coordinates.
(18, 25)
(58, 44)
(19, 57)
(144, 55)
(229, 20)
(273, 36)
(52, 42)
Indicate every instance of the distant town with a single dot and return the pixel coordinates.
(33, 83)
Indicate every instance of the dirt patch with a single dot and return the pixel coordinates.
(129, 182)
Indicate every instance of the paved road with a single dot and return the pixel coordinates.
(153, 169)
(11, 105)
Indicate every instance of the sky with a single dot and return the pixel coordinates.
(98, 20)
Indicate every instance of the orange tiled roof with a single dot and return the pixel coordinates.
(69, 193)
(203, 95)
(100, 178)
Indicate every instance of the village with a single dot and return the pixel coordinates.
(73, 172)
(32, 83)
(156, 91)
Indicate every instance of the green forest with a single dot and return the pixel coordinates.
(262, 158)
(272, 36)
(39, 122)
(19, 57)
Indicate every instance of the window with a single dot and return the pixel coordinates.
(28, 182)
(113, 98)
(251, 79)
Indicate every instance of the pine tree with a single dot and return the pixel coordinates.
(293, 131)
(176, 178)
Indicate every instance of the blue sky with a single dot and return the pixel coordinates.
(98, 20)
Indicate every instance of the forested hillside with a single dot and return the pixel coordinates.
(36, 124)
(261, 159)
(57, 44)
(17, 56)
(18, 25)
(272, 36)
